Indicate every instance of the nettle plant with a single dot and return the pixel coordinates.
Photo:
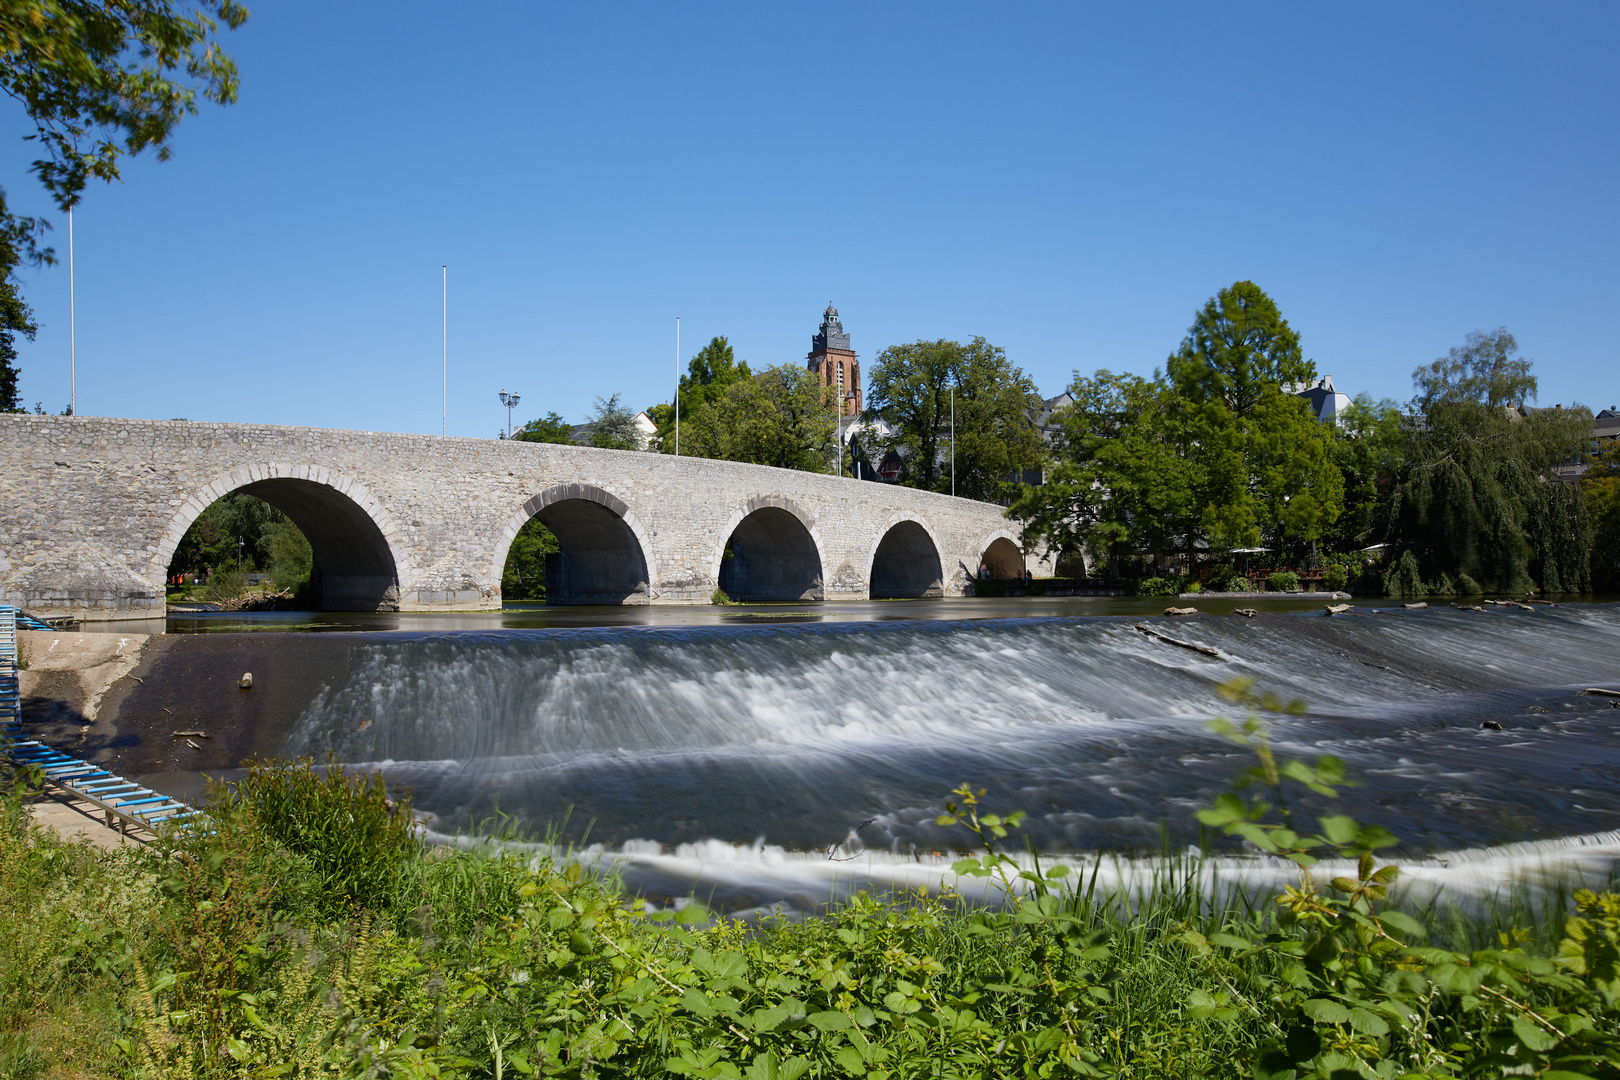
(1349, 986)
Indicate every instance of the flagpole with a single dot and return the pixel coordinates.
(73, 344)
(677, 386)
(444, 349)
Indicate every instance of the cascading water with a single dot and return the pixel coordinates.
(717, 742)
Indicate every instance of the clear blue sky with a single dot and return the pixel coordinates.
(1070, 181)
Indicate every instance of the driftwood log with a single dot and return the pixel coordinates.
(1205, 649)
(1601, 692)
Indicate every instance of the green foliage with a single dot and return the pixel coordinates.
(1601, 490)
(61, 972)
(1220, 450)
(291, 558)
(1484, 371)
(910, 389)
(271, 543)
(1238, 351)
(551, 428)
(1403, 579)
(1336, 577)
(15, 318)
(708, 375)
(352, 837)
(783, 417)
(613, 426)
(102, 80)
(1283, 581)
(1129, 470)
(524, 575)
(1353, 987)
(226, 584)
(1156, 586)
(244, 949)
(1473, 496)
(1369, 450)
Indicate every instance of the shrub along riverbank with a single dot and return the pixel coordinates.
(310, 934)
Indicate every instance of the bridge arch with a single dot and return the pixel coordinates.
(1002, 554)
(353, 538)
(906, 562)
(778, 552)
(606, 551)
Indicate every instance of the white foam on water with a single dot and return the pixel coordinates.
(1092, 726)
(782, 880)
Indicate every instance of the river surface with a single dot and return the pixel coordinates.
(786, 755)
(800, 735)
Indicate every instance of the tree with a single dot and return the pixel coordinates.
(1369, 451)
(15, 318)
(1601, 488)
(614, 426)
(100, 80)
(524, 576)
(1128, 474)
(1237, 368)
(1476, 503)
(551, 428)
(910, 391)
(1484, 371)
(1218, 454)
(1238, 348)
(1294, 487)
(708, 374)
(270, 541)
(782, 417)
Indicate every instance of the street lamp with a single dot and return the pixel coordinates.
(239, 543)
(510, 401)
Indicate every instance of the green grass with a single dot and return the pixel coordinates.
(309, 934)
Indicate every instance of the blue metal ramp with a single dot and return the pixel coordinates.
(125, 804)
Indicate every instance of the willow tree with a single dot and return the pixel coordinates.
(1478, 505)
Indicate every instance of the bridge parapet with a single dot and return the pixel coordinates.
(92, 509)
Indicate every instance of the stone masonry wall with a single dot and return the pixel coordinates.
(91, 509)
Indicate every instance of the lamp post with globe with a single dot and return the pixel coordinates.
(510, 401)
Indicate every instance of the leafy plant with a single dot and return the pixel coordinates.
(1352, 986)
(1157, 586)
(1283, 581)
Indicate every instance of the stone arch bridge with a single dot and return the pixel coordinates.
(92, 509)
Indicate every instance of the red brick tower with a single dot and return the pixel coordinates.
(834, 362)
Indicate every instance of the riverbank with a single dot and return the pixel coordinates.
(308, 932)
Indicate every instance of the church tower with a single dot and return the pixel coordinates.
(834, 362)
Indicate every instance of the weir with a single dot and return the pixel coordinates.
(797, 734)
